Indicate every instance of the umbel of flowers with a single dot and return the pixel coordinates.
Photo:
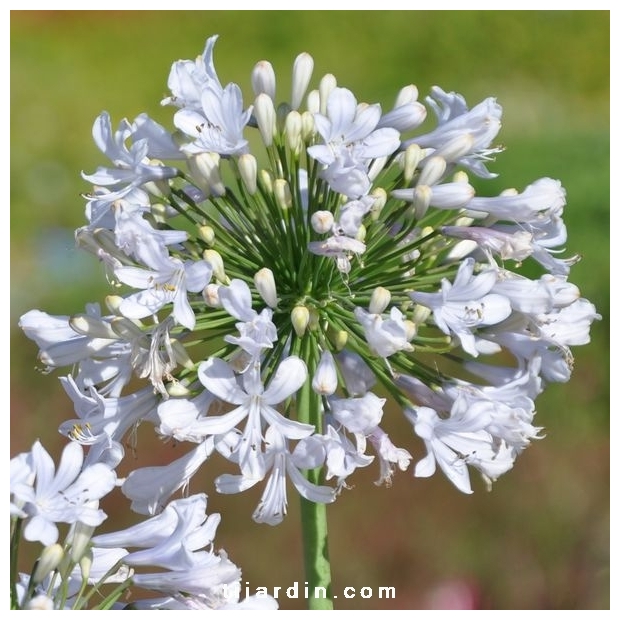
(281, 269)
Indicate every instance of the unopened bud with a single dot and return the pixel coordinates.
(302, 72)
(325, 380)
(205, 170)
(265, 115)
(457, 147)
(460, 176)
(339, 339)
(177, 389)
(433, 170)
(113, 303)
(86, 562)
(80, 539)
(292, 129)
(40, 602)
(411, 329)
(410, 161)
(313, 102)
(422, 200)
(407, 94)
(207, 234)
(266, 286)
(380, 196)
(264, 79)
(307, 126)
(211, 295)
(326, 86)
(48, 561)
(214, 258)
(91, 326)
(360, 235)
(300, 317)
(247, 170)
(282, 193)
(322, 221)
(266, 181)
(420, 314)
(379, 300)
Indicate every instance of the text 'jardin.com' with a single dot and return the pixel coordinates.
(304, 591)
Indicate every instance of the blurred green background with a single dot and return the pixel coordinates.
(540, 539)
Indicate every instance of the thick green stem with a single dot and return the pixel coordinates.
(316, 554)
(313, 515)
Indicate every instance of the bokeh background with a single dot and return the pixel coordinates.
(540, 539)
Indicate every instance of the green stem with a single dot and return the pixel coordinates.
(313, 515)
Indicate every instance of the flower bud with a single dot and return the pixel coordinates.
(113, 303)
(325, 380)
(456, 148)
(322, 221)
(460, 176)
(211, 295)
(86, 562)
(421, 200)
(266, 286)
(300, 317)
(307, 126)
(81, 535)
(177, 389)
(313, 102)
(380, 196)
(264, 79)
(339, 339)
(420, 314)
(247, 170)
(293, 129)
(379, 300)
(411, 329)
(360, 235)
(40, 602)
(407, 94)
(302, 72)
(48, 561)
(327, 84)
(410, 161)
(207, 234)
(433, 170)
(214, 258)
(265, 115)
(282, 193)
(205, 170)
(91, 326)
(266, 181)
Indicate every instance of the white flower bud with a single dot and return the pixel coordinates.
(339, 339)
(460, 176)
(420, 314)
(360, 235)
(307, 126)
(433, 170)
(422, 200)
(86, 563)
(411, 329)
(380, 196)
(293, 129)
(49, 560)
(325, 380)
(313, 102)
(40, 602)
(377, 166)
(327, 84)
(410, 161)
(282, 193)
(214, 258)
(407, 94)
(265, 115)
(322, 221)
(91, 326)
(379, 300)
(266, 181)
(205, 170)
(300, 317)
(302, 72)
(457, 147)
(113, 303)
(81, 535)
(177, 389)
(266, 286)
(247, 170)
(207, 234)
(264, 79)
(211, 295)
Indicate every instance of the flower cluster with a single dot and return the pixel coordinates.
(273, 301)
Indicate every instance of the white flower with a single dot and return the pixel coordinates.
(167, 281)
(385, 336)
(255, 404)
(133, 168)
(66, 495)
(466, 304)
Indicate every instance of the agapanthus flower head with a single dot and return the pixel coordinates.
(273, 298)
